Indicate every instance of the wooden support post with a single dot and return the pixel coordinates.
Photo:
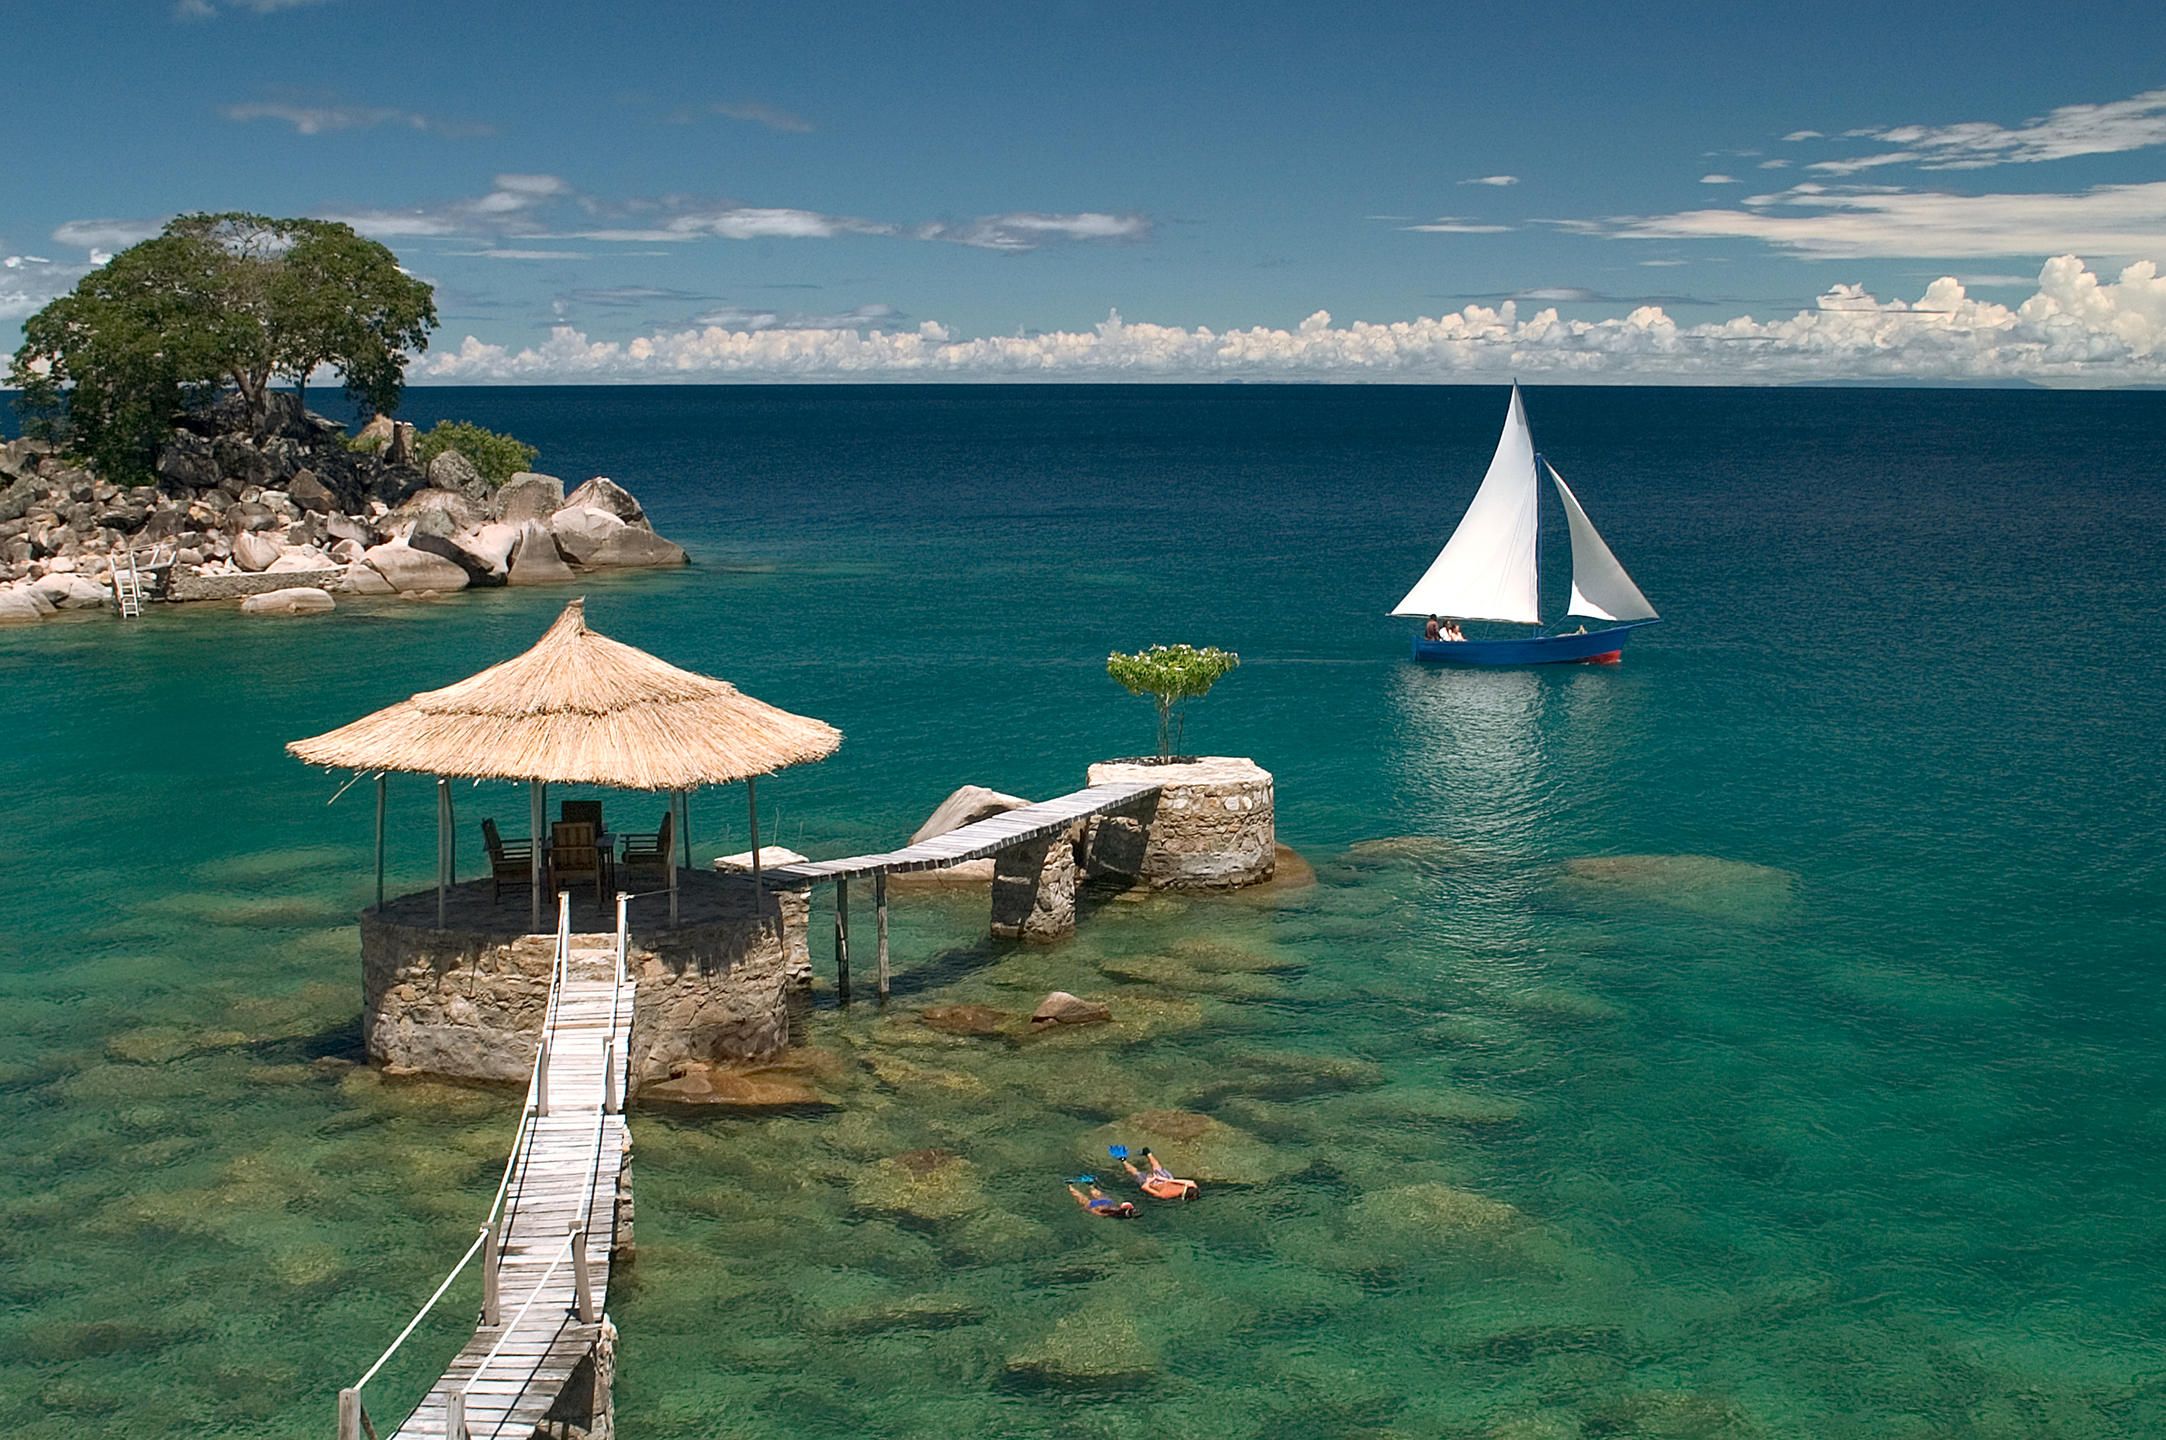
(879, 901)
(541, 1080)
(610, 1104)
(379, 840)
(671, 862)
(492, 1307)
(455, 1416)
(684, 824)
(582, 1286)
(842, 938)
(537, 820)
(752, 805)
(349, 1415)
(443, 846)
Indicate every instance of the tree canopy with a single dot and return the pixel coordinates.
(1172, 675)
(217, 302)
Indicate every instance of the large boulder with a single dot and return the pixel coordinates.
(364, 579)
(529, 496)
(603, 493)
(635, 545)
(485, 551)
(581, 530)
(186, 460)
(21, 606)
(453, 471)
(967, 805)
(409, 569)
(434, 511)
(345, 527)
(299, 559)
(298, 600)
(254, 552)
(311, 494)
(1062, 1008)
(65, 591)
(534, 559)
(376, 434)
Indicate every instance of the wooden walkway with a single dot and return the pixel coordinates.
(555, 1217)
(975, 841)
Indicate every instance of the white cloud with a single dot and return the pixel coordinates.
(2075, 329)
(211, 9)
(2136, 123)
(1455, 225)
(106, 234)
(735, 318)
(753, 112)
(739, 222)
(1859, 221)
(1028, 230)
(1718, 179)
(29, 282)
(1491, 180)
(498, 252)
(1796, 135)
(1774, 164)
(324, 119)
(509, 208)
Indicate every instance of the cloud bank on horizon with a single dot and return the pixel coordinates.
(2076, 328)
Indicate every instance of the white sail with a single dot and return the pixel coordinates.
(1600, 587)
(1487, 568)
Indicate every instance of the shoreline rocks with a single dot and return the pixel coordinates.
(232, 501)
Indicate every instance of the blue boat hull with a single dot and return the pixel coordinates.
(1594, 647)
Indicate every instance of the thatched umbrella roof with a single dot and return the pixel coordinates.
(580, 709)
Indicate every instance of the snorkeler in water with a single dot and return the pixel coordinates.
(1155, 1180)
(1099, 1203)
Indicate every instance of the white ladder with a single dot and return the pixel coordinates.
(128, 588)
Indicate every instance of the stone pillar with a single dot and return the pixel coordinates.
(1034, 890)
(1213, 827)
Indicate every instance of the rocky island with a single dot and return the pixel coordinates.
(287, 512)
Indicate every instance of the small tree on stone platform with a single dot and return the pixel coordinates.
(1172, 675)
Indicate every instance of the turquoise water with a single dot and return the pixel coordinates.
(1758, 1038)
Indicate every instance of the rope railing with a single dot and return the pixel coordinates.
(575, 1245)
(353, 1416)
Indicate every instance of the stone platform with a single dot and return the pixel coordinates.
(1213, 827)
(467, 1000)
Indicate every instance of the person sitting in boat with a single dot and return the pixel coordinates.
(1099, 1203)
(1452, 631)
(1160, 1183)
(1433, 631)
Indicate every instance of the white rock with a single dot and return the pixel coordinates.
(966, 806)
(490, 546)
(67, 591)
(254, 552)
(20, 607)
(363, 579)
(296, 558)
(409, 569)
(296, 600)
(582, 530)
(535, 561)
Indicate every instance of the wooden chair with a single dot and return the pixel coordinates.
(647, 857)
(511, 862)
(575, 855)
(583, 812)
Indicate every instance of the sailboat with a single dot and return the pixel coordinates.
(1488, 569)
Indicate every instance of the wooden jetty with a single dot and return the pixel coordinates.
(545, 1246)
(979, 840)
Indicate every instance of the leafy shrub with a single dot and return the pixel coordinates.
(1172, 675)
(497, 457)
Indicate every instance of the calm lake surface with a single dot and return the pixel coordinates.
(1758, 1038)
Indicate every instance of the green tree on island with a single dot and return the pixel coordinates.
(1172, 675)
(216, 302)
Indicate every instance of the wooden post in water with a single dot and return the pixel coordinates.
(879, 902)
(443, 845)
(379, 840)
(582, 1286)
(492, 1308)
(537, 811)
(842, 938)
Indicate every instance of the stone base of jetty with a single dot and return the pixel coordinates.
(467, 1000)
(1213, 826)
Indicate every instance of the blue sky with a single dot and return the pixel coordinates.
(647, 191)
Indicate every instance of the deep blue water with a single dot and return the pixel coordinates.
(1827, 1099)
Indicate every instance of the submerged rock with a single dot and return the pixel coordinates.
(930, 1184)
(1702, 884)
(1098, 1346)
(973, 1020)
(295, 600)
(1433, 1208)
(1194, 1146)
(758, 1087)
